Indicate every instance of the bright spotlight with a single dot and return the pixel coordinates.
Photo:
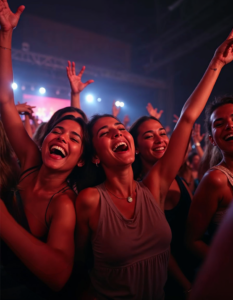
(14, 86)
(89, 98)
(122, 104)
(42, 90)
(117, 103)
(99, 99)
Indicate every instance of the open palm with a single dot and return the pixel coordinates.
(9, 20)
(75, 80)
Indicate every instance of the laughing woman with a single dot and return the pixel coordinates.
(122, 219)
(43, 236)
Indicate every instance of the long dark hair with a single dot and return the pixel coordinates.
(8, 176)
(77, 177)
(56, 116)
(137, 164)
(96, 173)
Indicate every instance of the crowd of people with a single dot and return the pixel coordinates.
(95, 209)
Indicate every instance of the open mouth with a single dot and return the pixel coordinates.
(229, 137)
(120, 147)
(159, 149)
(58, 151)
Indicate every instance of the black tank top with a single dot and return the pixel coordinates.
(17, 281)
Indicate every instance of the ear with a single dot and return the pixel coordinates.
(212, 140)
(95, 159)
(81, 163)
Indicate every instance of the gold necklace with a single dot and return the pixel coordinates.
(129, 199)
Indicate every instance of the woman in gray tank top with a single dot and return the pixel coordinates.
(123, 219)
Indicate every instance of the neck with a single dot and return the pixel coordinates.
(120, 182)
(227, 162)
(50, 180)
(146, 167)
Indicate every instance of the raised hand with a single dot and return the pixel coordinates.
(115, 110)
(196, 134)
(153, 111)
(126, 120)
(9, 20)
(24, 108)
(176, 118)
(224, 53)
(75, 80)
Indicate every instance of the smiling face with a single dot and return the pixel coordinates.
(152, 141)
(62, 147)
(222, 128)
(113, 144)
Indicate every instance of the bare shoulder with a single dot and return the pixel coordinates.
(64, 202)
(88, 198)
(214, 178)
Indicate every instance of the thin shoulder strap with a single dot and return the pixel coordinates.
(21, 213)
(226, 171)
(24, 172)
(60, 191)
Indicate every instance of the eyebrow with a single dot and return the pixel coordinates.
(151, 131)
(221, 119)
(106, 126)
(73, 132)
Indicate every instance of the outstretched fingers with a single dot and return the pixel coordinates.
(88, 82)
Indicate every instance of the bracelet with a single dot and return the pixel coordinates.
(197, 144)
(5, 48)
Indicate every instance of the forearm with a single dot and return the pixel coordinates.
(198, 248)
(27, 125)
(199, 150)
(75, 100)
(175, 271)
(6, 72)
(197, 101)
(48, 264)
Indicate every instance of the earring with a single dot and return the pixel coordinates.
(136, 153)
(97, 165)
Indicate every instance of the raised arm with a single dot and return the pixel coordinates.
(52, 262)
(77, 86)
(197, 137)
(23, 146)
(164, 171)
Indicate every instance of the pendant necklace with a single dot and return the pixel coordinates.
(129, 199)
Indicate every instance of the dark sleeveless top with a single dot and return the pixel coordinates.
(17, 281)
(177, 218)
(130, 255)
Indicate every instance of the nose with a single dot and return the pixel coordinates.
(62, 138)
(117, 133)
(158, 139)
(230, 124)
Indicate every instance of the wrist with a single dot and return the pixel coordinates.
(5, 38)
(216, 64)
(197, 144)
(75, 93)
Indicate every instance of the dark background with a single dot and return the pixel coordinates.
(169, 40)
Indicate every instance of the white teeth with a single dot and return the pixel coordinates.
(58, 148)
(159, 149)
(118, 145)
(228, 136)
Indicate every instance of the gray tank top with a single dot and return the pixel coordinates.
(220, 213)
(130, 255)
